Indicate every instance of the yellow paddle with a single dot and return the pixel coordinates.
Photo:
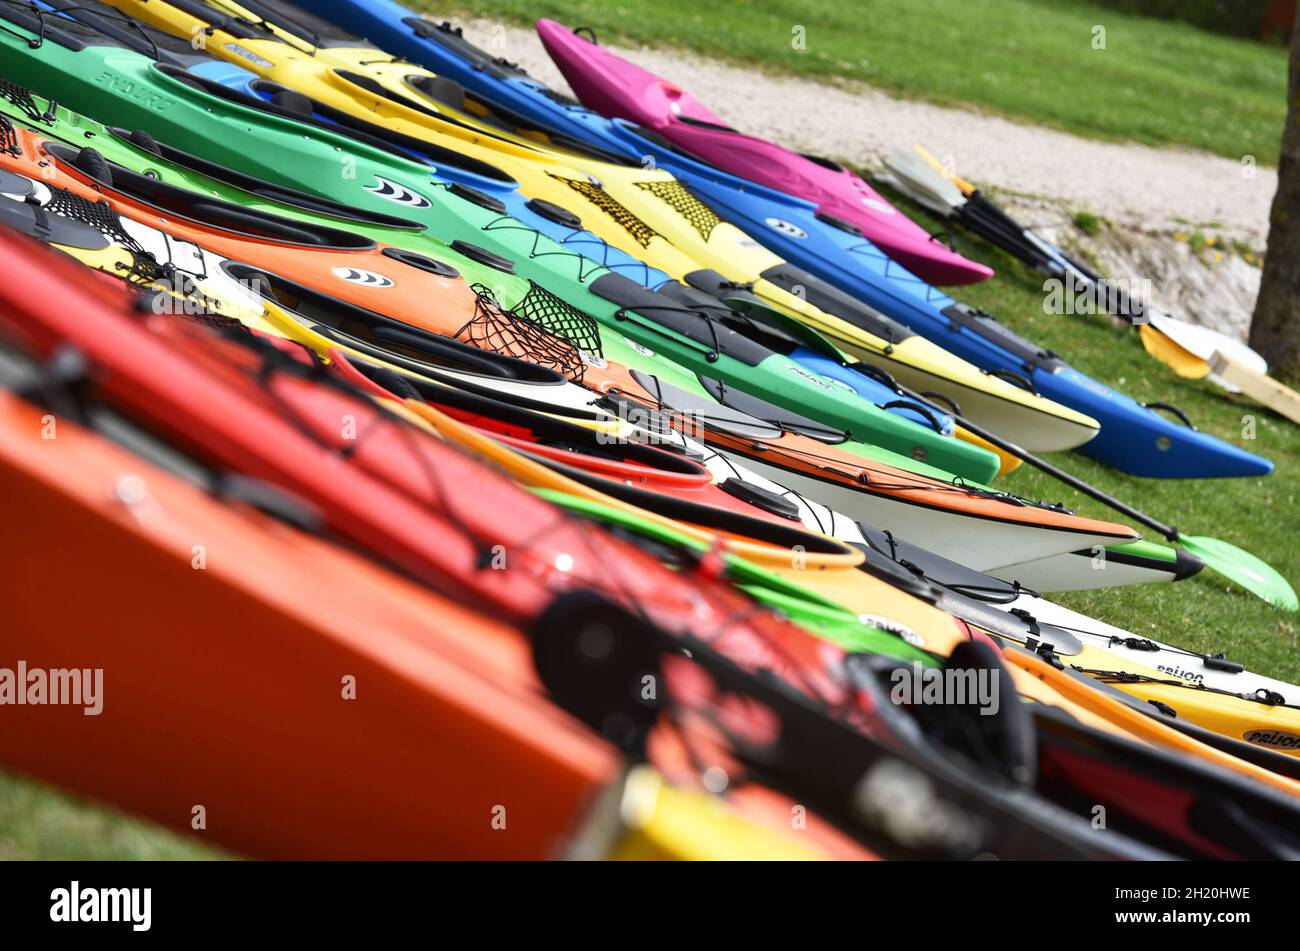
(966, 187)
(1167, 351)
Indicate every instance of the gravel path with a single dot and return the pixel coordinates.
(1159, 189)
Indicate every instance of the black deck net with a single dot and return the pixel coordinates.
(144, 271)
(230, 326)
(560, 319)
(641, 232)
(22, 99)
(503, 331)
(144, 268)
(700, 216)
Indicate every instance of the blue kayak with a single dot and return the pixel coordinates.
(1134, 438)
(441, 48)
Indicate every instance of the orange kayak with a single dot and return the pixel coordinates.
(244, 644)
(255, 637)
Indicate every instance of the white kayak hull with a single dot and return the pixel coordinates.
(979, 542)
(1091, 569)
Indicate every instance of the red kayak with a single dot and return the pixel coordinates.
(238, 654)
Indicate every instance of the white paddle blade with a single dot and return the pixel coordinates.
(922, 176)
(1203, 341)
(918, 195)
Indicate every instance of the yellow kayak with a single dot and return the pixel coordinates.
(645, 819)
(1143, 726)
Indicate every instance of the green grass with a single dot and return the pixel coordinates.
(1088, 223)
(1206, 612)
(1156, 82)
(37, 822)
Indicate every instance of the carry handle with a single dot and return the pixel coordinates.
(954, 408)
(1011, 376)
(878, 374)
(916, 407)
(1173, 410)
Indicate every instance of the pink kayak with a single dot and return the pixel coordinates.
(616, 88)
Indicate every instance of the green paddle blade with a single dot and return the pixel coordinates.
(1244, 569)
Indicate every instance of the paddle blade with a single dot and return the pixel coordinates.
(1007, 463)
(966, 187)
(1204, 341)
(919, 177)
(1183, 362)
(1244, 569)
(921, 196)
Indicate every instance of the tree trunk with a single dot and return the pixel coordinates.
(1275, 329)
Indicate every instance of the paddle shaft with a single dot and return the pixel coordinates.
(1002, 229)
(988, 220)
(982, 215)
(1073, 482)
(985, 218)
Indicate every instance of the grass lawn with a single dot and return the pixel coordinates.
(1155, 82)
(37, 822)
